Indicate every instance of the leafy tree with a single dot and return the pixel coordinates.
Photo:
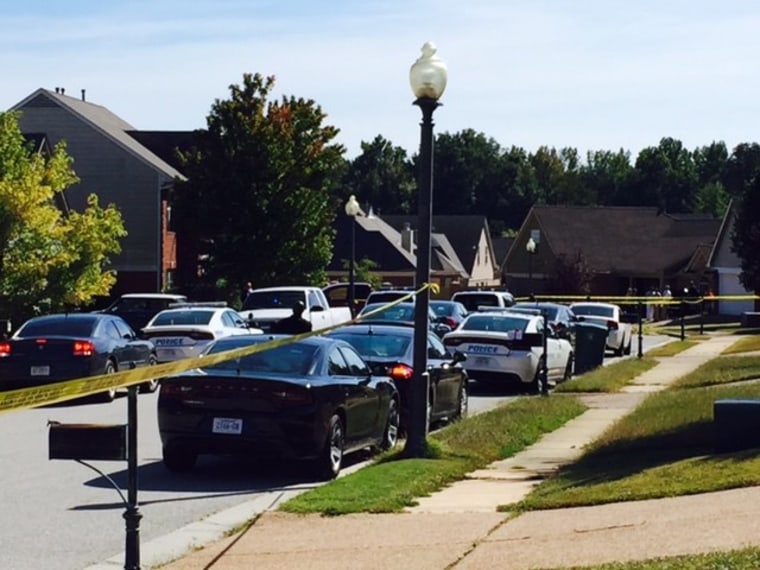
(741, 168)
(666, 178)
(607, 177)
(572, 275)
(260, 199)
(745, 239)
(49, 259)
(382, 177)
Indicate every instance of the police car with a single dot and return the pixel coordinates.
(186, 329)
(503, 346)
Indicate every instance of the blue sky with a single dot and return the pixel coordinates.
(588, 74)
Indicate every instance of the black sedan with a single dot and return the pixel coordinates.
(65, 346)
(314, 399)
(391, 348)
(401, 313)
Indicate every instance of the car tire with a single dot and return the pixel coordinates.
(151, 385)
(568, 369)
(328, 464)
(462, 402)
(110, 394)
(627, 351)
(620, 350)
(179, 459)
(391, 431)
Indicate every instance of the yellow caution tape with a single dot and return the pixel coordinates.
(24, 398)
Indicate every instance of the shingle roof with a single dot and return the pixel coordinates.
(624, 239)
(105, 121)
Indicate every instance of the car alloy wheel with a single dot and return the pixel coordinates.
(463, 401)
(110, 394)
(329, 462)
(390, 435)
(152, 384)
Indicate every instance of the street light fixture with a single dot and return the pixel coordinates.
(530, 247)
(352, 210)
(427, 78)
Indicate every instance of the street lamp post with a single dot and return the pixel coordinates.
(530, 247)
(427, 78)
(352, 210)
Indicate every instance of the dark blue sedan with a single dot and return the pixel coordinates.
(59, 347)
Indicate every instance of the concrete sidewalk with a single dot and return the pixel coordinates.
(459, 526)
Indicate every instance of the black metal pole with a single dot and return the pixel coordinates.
(683, 316)
(641, 331)
(132, 515)
(531, 292)
(545, 364)
(351, 269)
(418, 395)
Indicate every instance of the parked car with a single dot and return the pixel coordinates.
(508, 346)
(184, 332)
(389, 349)
(138, 308)
(66, 346)
(620, 333)
(314, 399)
(400, 313)
(384, 296)
(560, 317)
(475, 299)
(451, 313)
(263, 307)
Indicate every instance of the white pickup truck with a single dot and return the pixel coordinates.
(263, 307)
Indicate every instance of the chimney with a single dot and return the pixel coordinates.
(407, 238)
(63, 91)
(83, 99)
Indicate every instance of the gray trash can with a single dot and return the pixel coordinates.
(590, 343)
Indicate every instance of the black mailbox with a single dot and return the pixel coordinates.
(103, 442)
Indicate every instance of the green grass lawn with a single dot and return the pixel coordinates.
(749, 343)
(745, 559)
(672, 348)
(664, 448)
(395, 482)
(608, 378)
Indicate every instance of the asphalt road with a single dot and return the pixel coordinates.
(61, 514)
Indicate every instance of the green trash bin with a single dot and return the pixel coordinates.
(590, 343)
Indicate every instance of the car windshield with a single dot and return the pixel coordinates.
(442, 309)
(593, 310)
(496, 323)
(550, 312)
(293, 358)
(273, 299)
(81, 327)
(373, 345)
(168, 318)
(395, 313)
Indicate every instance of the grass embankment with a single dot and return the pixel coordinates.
(745, 559)
(664, 448)
(672, 348)
(394, 482)
(608, 378)
(748, 343)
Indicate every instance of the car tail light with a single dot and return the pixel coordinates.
(83, 348)
(401, 372)
(454, 341)
(292, 397)
(451, 322)
(612, 325)
(5, 349)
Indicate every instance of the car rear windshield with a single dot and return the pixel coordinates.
(593, 310)
(58, 327)
(294, 358)
(474, 300)
(494, 323)
(389, 296)
(273, 300)
(183, 318)
(373, 345)
(395, 313)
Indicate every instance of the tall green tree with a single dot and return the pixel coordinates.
(382, 177)
(260, 197)
(745, 239)
(666, 178)
(50, 260)
(607, 177)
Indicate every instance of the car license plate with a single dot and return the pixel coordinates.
(40, 371)
(483, 361)
(227, 425)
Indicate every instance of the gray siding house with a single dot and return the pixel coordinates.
(111, 163)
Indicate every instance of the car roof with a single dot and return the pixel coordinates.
(375, 328)
(593, 304)
(168, 296)
(529, 304)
